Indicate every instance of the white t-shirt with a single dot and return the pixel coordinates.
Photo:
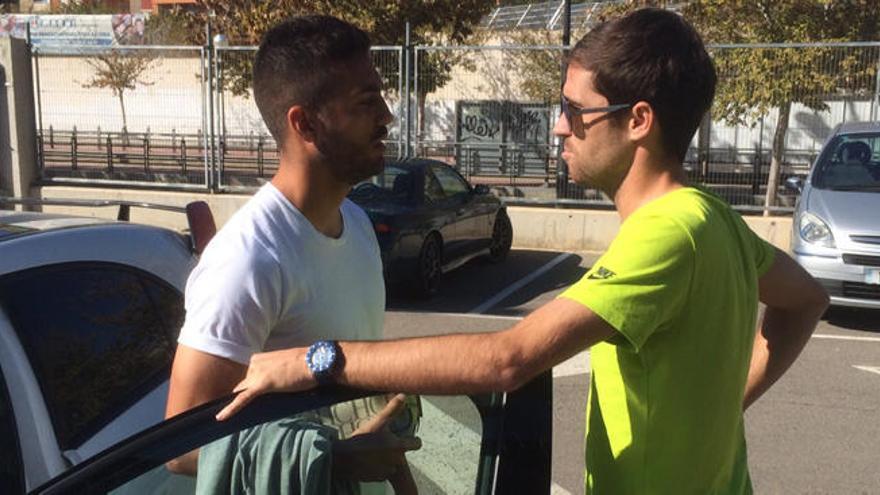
(269, 280)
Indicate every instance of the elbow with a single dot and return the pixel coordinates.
(513, 372)
(819, 299)
(824, 300)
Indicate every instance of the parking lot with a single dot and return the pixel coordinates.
(815, 432)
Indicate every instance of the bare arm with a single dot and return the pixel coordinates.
(448, 364)
(197, 378)
(795, 302)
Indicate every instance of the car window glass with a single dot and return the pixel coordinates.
(11, 478)
(304, 453)
(433, 190)
(98, 336)
(450, 181)
(394, 184)
(850, 162)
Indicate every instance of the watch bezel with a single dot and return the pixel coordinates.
(323, 374)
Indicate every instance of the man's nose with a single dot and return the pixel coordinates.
(562, 127)
(387, 117)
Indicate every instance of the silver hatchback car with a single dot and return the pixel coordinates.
(836, 224)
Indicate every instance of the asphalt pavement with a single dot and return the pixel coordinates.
(817, 431)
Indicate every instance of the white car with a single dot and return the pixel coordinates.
(89, 314)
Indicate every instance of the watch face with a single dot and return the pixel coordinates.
(322, 356)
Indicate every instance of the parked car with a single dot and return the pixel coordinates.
(836, 225)
(89, 314)
(430, 220)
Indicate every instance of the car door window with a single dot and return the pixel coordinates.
(482, 444)
(11, 478)
(450, 181)
(433, 190)
(98, 336)
(296, 454)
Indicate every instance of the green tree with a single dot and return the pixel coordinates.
(540, 69)
(167, 27)
(432, 23)
(83, 7)
(119, 72)
(752, 81)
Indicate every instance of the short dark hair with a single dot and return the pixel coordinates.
(656, 56)
(298, 63)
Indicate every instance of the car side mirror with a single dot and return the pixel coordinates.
(795, 184)
(481, 189)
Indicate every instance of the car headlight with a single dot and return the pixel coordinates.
(815, 231)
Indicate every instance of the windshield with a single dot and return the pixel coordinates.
(850, 163)
(395, 185)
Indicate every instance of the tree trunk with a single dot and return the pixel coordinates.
(124, 121)
(776, 157)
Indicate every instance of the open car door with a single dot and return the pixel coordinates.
(484, 444)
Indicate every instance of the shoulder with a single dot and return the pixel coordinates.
(655, 232)
(356, 215)
(355, 211)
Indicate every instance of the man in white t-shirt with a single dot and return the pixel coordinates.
(299, 262)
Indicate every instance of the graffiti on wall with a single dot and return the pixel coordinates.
(512, 137)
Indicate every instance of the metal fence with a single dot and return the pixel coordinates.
(174, 117)
(190, 120)
(92, 125)
(493, 113)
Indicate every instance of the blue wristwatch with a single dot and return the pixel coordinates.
(323, 359)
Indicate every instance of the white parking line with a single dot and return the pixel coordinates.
(846, 337)
(555, 489)
(869, 369)
(497, 298)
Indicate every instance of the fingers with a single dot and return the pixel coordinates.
(402, 480)
(240, 400)
(410, 443)
(396, 404)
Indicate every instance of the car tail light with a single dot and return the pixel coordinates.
(383, 228)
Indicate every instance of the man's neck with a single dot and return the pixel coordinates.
(314, 192)
(649, 178)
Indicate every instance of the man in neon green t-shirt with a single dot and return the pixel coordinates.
(669, 311)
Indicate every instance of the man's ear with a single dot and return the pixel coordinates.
(642, 120)
(301, 122)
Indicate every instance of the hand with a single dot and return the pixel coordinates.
(277, 371)
(375, 454)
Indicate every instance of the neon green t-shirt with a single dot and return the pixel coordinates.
(679, 283)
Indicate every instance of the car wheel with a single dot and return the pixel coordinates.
(428, 272)
(502, 237)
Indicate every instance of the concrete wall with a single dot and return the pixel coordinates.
(593, 230)
(534, 228)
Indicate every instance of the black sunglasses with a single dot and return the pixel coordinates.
(570, 110)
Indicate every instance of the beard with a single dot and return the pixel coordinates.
(348, 161)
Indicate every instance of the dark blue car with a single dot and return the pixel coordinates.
(430, 220)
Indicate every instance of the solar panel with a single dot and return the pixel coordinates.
(546, 15)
